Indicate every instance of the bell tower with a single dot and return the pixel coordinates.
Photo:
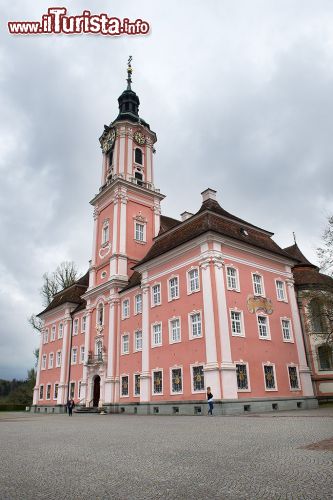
(127, 207)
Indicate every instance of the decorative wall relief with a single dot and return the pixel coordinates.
(255, 303)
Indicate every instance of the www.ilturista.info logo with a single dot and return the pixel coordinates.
(57, 22)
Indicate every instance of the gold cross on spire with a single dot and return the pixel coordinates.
(129, 73)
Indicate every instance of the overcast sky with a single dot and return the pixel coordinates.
(238, 92)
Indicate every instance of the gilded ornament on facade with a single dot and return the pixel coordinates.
(139, 138)
(255, 304)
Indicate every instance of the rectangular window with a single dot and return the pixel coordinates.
(232, 278)
(263, 327)
(258, 284)
(174, 330)
(105, 233)
(44, 362)
(125, 344)
(138, 340)
(126, 308)
(76, 327)
(53, 333)
(280, 290)
(124, 385)
(173, 288)
(236, 323)
(286, 330)
(139, 231)
(138, 304)
(83, 324)
(46, 336)
(60, 331)
(55, 394)
(72, 390)
(82, 354)
(156, 294)
(157, 334)
(293, 377)
(58, 359)
(193, 280)
(198, 380)
(269, 377)
(48, 391)
(41, 392)
(195, 325)
(74, 355)
(157, 382)
(242, 379)
(176, 380)
(51, 357)
(137, 384)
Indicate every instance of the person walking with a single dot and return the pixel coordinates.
(70, 406)
(210, 401)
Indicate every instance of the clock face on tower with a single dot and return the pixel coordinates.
(139, 138)
(108, 140)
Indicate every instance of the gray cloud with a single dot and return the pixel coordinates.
(239, 94)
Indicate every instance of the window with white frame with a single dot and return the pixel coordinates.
(263, 327)
(242, 377)
(140, 229)
(51, 358)
(173, 288)
(258, 286)
(193, 280)
(126, 308)
(55, 393)
(48, 391)
(100, 314)
(124, 385)
(83, 324)
(280, 290)
(236, 323)
(156, 294)
(293, 377)
(74, 355)
(174, 330)
(269, 374)
(176, 380)
(195, 325)
(60, 331)
(76, 326)
(138, 340)
(158, 382)
(58, 359)
(198, 379)
(41, 392)
(232, 278)
(157, 334)
(72, 390)
(137, 384)
(105, 232)
(138, 304)
(46, 336)
(53, 333)
(125, 344)
(44, 362)
(82, 354)
(286, 330)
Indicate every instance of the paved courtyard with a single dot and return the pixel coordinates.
(136, 457)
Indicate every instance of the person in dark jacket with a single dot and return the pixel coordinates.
(210, 401)
(70, 406)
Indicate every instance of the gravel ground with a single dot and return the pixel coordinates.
(148, 457)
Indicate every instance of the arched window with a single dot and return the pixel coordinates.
(100, 314)
(316, 313)
(325, 357)
(138, 156)
(138, 178)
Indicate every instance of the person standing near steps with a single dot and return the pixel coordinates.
(210, 401)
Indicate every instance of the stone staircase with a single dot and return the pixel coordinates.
(84, 409)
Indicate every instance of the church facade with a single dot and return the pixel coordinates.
(170, 306)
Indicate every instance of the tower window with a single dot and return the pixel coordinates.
(110, 157)
(138, 156)
(138, 178)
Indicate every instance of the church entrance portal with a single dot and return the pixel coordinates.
(97, 390)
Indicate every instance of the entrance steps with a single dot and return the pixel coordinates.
(84, 409)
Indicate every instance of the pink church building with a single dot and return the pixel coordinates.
(170, 307)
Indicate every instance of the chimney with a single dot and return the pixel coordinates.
(185, 216)
(208, 194)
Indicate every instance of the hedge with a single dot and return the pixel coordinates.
(12, 407)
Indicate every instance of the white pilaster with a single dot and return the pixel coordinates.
(84, 383)
(148, 163)
(157, 217)
(104, 168)
(122, 238)
(304, 370)
(62, 389)
(122, 152)
(145, 373)
(115, 225)
(211, 368)
(110, 374)
(92, 270)
(129, 166)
